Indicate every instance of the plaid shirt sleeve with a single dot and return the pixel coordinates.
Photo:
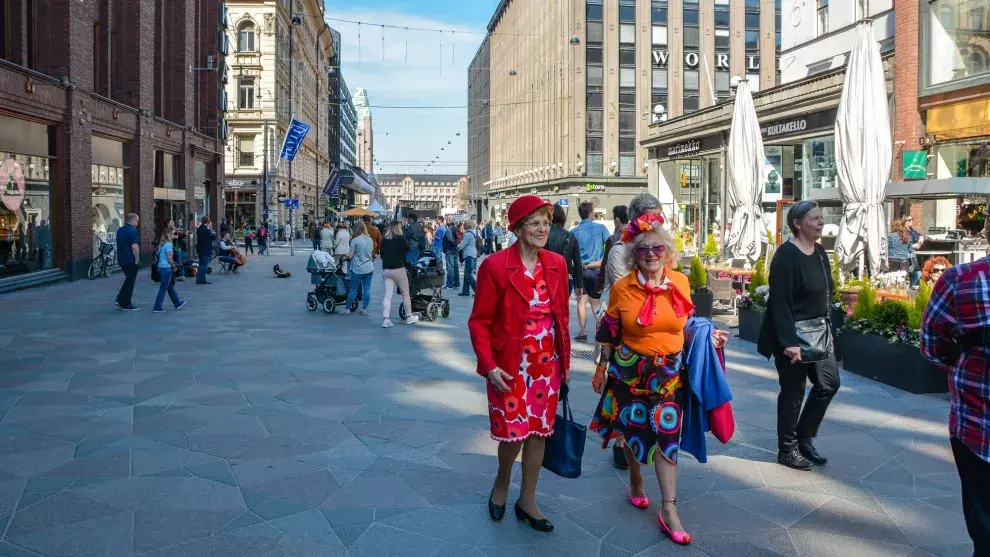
(939, 325)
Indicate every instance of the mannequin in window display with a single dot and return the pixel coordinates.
(19, 246)
(6, 240)
(30, 237)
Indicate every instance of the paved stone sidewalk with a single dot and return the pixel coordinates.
(245, 425)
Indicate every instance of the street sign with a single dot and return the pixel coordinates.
(563, 202)
(292, 204)
(281, 198)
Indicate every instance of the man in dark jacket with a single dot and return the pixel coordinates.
(451, 263)
(562, 242)
(489, 238)
(415, 237)
(204, 247)
(620, 217)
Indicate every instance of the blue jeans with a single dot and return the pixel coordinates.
(204, 264)
(469, 283)
(453, 270)
(262, 242)
(166, 286)
(364, 281)
(230, 261)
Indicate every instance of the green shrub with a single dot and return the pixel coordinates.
(914, 316)
(698, 276)
(710, 250)
(889, 314)
(866, 300)
(770, 238)
(679, 242)
(759, 276)
(836, 279)
(922, 296)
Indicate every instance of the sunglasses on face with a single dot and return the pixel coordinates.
(938, 270)
(658, 251)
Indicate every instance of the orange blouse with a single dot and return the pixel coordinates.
(664, 336)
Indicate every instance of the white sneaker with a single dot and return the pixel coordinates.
(386, 323)
(411, 319)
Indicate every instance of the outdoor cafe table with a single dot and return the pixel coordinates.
(740, 277)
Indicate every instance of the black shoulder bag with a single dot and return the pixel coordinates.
(814, 335)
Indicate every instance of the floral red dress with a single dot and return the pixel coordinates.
(530, 408)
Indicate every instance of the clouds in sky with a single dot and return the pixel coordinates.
(410, 68)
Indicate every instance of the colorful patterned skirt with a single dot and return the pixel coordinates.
(641, 401)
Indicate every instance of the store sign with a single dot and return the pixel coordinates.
(234, 183)
(914, 165)
(694, 146)
(692, 59)
(799, 124)
(12, 182)
(590, 188)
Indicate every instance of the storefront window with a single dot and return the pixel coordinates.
(25, 214)
(240, 207)
(818, 165)
(110, 176)
(962, 161)
(957, 47)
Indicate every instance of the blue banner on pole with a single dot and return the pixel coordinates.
(293, 139)
(332, 186)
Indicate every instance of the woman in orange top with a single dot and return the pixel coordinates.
(642, 338)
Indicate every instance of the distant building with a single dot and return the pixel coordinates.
(364, 138)
(451, 190)
(348, 126)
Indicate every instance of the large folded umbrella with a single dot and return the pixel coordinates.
(747, 173)
(358, 212)
(863, 154)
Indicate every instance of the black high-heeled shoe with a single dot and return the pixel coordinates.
(539, 524)
(495, 511)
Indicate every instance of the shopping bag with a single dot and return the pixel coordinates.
(565, 447)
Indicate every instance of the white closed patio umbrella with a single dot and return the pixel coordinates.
(863, 154)
(747, 173)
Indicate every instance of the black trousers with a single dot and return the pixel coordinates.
(127, 289)
(973, 474)
(793, 423)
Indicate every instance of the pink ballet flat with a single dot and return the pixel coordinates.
(639, 502)
(679, 537)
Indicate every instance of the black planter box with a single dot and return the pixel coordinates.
(838, 318)
(750, 323)
(703, 303)
(897, 365)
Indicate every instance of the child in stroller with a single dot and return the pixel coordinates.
(331, 284)
(426, 289)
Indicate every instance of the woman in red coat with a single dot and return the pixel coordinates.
(520, 330)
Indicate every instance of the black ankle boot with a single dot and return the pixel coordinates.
(794, 459)
(811, 453)
(619, 457)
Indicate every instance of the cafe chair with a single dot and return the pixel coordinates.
(723, 292)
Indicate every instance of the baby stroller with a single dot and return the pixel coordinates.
(331, 284)
(426, 289)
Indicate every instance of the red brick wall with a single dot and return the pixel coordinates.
(131, 82)
(908, 125)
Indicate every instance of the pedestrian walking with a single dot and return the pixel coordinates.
(342, 246)
(205, 236)
(489, 238)
(128, 255)
(800, 298)
(562, 242)
(167, 267)
(248, 240)
(374, 234)
(955, 335)
(642, 337)
(326, 238)
(314, 235)
(415, 237)
(262, 237)
(469, 250)
(439, 231)
(518, 329)
(591, 239)
(451, 265)
(362, 266)
(394, 248)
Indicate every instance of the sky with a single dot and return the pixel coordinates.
(407, 70)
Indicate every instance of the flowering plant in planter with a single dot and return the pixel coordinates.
(898, 321)
(756, 300)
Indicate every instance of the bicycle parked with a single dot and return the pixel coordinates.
(104, 262)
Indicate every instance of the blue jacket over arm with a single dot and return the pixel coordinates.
(707, 387)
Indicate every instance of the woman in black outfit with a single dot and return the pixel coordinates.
(800, 283)
(563, 242)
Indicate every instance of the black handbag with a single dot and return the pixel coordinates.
(814, 335)
(565, 447)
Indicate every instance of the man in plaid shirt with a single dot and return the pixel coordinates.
(955, 334)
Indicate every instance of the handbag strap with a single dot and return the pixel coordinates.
(564, 389)
(828, 293)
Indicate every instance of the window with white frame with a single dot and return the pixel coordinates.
(246, 150)
(245, 93)
(822, 19)
(246, 37)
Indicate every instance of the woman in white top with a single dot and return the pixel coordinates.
(342, 246)
(165, 262)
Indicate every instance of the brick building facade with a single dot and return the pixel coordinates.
(108, 107)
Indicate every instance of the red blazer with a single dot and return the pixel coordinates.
(498, 320)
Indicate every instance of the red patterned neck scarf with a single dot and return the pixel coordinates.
(681, 304)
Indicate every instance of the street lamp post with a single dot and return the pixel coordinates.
(294, 20)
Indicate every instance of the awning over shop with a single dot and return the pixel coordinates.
(939, 189)
(356, 180)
